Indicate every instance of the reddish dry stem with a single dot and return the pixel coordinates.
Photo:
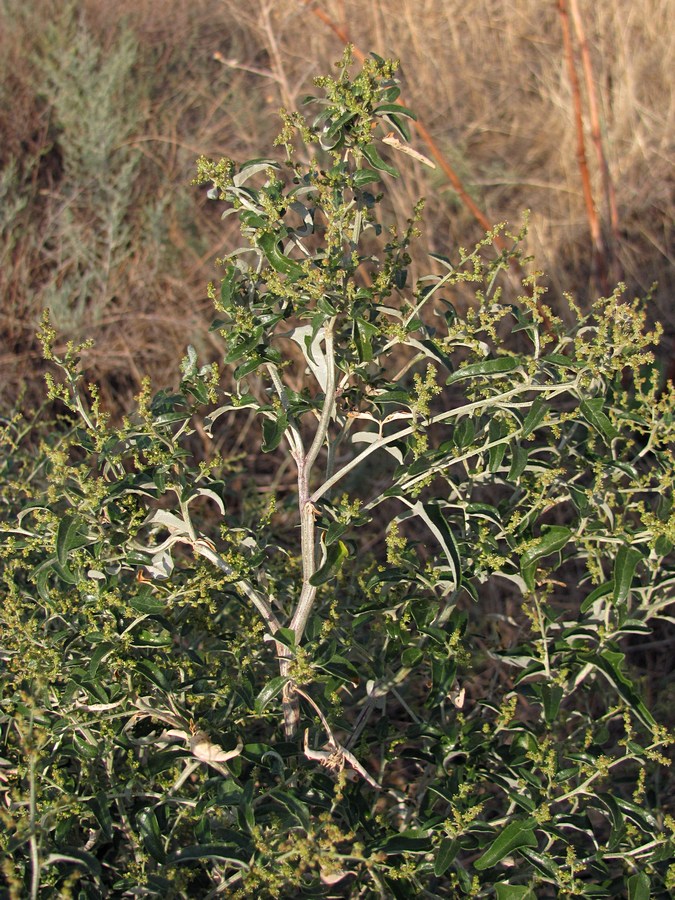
(591, 212)
(594, 116)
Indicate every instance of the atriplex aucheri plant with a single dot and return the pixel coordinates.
(399, 671)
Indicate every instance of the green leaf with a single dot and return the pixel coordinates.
(390, 93)
(273, 687)
(376, 161)
(146, 602)
(413, 840)
(273, 431)
(411, 656)
(365, 332)
(79, 858)
(551, 695)
(609, 662)
(496, 455)
(395, 108)
(591, 410)
(340, 667)
(518, 462)
(269, 244)
(445, 856)
(99, 655)
(153, 673)
(599, 592)
(486, 367)
(41, 578)
(579, 498)
(363, 177)
(85, 745)
(517, 834)
(250, 219)
(541, 862)
(464, 433)
(251, 168)
(559, 359)
(197, 852)
(435, 352)
(335, 556)
(296, 807)
(64, 573)
(627, 559)
(435, 520)
(663, 545)
(514, 892)
(396, 115)
(227, 286)
(68, 537)
(161, 761)
(393, 396)
(638, 814)
(285, 636)
(243, 347)
(552, 540)
(534, 418)
(486, 512)
(617, 821)
(334, 531)
(523, 321)
(400, 125)
(101, 809)
(639, 887)
(151, 836)
(339, 124)
(326, 307)
(247, 367)
(196, 389)
(257, 753)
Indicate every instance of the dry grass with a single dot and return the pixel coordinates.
(123, 254)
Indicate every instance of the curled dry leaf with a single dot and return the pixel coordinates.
(394, 142)
(335, 877)
(203, 749)
(336, 759)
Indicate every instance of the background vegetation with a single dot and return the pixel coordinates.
(104, 108)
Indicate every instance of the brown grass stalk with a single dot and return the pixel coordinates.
(599, 255)
(594, 121)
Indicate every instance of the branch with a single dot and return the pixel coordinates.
(307, 512)
(329, 402)
(203, 548)
(441, 417)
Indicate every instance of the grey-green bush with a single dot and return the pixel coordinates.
(388, 655)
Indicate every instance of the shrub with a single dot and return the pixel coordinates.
(402, 673)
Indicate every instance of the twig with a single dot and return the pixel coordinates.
(275, 55)
(338, 756)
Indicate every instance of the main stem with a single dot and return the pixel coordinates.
(33, 840)
(307, 597)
